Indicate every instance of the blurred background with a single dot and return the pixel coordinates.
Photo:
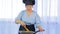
(48, 10)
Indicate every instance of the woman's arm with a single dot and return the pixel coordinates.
(38, 23)
(18, 19)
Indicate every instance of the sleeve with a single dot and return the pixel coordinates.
(19, 17)
(38, 21)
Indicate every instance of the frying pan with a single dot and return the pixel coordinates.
(28, 32)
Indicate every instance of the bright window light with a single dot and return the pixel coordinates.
(53, 11)
(10, 8)
(47, 8)
(39, 8)
(18, 6)
(5, 8)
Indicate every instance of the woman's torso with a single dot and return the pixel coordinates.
(28, 19)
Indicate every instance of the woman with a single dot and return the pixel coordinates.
(28, 17)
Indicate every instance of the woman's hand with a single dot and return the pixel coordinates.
(40, 29)
(20, 22)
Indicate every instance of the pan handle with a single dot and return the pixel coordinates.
(38, 31)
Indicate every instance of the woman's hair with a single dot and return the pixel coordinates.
(29, 2)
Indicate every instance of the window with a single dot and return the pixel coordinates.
(18, 6)
(10, 8)
(5, 8)
(47, 8)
